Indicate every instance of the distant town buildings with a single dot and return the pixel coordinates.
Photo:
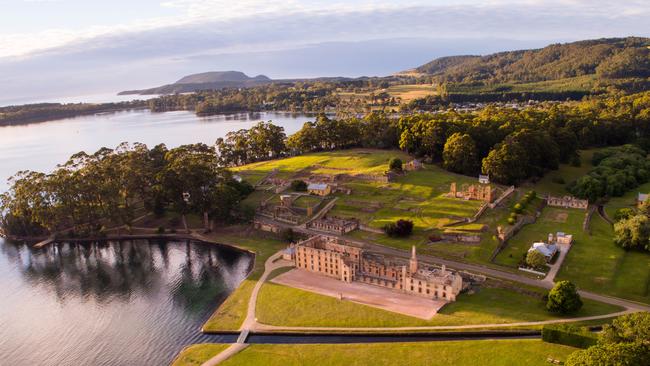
(337, 259)
(567, 202)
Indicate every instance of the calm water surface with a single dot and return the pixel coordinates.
(42, 146)
(120, 303)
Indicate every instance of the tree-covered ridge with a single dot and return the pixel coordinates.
(606, 58)
(90, 193)
(510, 144)
(48, 111)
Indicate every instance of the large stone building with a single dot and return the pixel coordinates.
(480, 192)
(338, 259)
(333, 224)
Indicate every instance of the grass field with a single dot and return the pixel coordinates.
(231, 313)
(283, 305)
(596, 264)
(307, 201)
(197, 354)
(578, 83)
(552, 220)
(628, 200)
(353, 161)
(566, 172)
(485, 353)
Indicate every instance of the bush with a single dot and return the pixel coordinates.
(511, 221)
(395, 164)
(299, 185)
(535, 259)
(518, 208)
(564, 298)
(569, 335)
(288, 235)
(161, 230)
(623, 214)
(401, 228)
(532, 195)
(575, 161)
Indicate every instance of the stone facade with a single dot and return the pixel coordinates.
(338, 259)
(472, 192)
(334, 225)
(319, 189)
(567, 202)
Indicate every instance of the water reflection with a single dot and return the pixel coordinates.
(163, 289)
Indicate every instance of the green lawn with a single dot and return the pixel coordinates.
(484, 352)
(197, 354)
(353, 161)
(548, 222)
(597, 264)
(282, 305)
(307, 201)
(628, 200)
(231, 313)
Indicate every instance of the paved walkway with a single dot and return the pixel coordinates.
(555, 267)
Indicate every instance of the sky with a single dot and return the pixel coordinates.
(53, 49)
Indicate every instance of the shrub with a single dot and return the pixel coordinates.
(395, 164)
(400, 228)
(623, 214)
(532, 195)
(288, 235)
(161, 230)
(535, 259)
(511, 221)
(575, 161)
(564, 298)
(518, 208)
(299, 185)
(568, 335)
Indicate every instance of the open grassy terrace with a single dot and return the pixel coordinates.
(354, 161)
(287, 306)
(552, 184)
(484, 352)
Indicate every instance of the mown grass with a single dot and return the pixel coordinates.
(596, 264)
(287, 306)
(483, 352)
(197, 354)
(628, 200)
(538, 232)
(352, 161)
(232, 312)
(568, 173)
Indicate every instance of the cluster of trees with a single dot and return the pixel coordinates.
(399, 229)
(624, 342)
(632, 227)
(31, 113)
(91, 192)
(616, 171)
(511, 145)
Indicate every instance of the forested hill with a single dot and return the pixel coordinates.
(213, 80)
(612, 58)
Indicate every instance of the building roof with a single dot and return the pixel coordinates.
(317, 186)
(642, 197)
(546, 249)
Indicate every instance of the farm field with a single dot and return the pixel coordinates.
(578, 83)
(483, 352)
(287, 306)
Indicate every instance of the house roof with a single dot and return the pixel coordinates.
(546, 249)
(317, 186)
(642, 197)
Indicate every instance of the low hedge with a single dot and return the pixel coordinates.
(569, 335)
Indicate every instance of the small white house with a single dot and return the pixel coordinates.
(484, 179)
(641, 197)
(548, 250)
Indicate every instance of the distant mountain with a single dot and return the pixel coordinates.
(205, 81)
(611, 58)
